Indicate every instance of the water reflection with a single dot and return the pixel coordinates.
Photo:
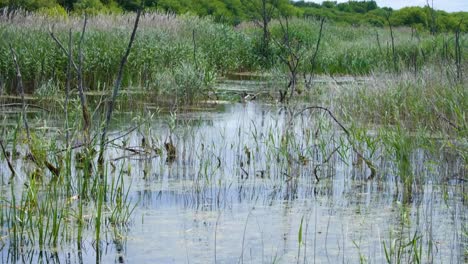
(246, 176)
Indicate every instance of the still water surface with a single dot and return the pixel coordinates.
(235, 194)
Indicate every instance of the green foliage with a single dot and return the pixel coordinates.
(235, 11)
(88, 6)
(55, 11)
(166, 42)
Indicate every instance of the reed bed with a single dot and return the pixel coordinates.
(168, 43)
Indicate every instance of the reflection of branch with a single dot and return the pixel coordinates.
(348, 135)
(10, 166)
(323, 163)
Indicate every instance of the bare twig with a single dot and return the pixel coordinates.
(378, 41)
(314, 57)
(79, 145)
(262, 10)
(291, 60)
(79, 69)
(194, 49)
(68, 52)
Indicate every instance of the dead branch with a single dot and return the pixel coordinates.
(68, 52)
(67, 87)
(292, 60)
(84, 106)
(79, 69)
(116, 89)
(394, 56)
(314, 57)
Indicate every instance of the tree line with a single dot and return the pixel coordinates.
(233, 12)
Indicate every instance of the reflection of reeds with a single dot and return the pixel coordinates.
(80, 206)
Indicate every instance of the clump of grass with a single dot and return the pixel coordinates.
(430, 100)
(186, 83)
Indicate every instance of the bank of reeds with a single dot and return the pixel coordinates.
(168, 43)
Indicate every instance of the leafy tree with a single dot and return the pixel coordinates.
(132, 5)
(175, 6)
(67, 4)
(329, 4)
(88, 6)
(410, 16)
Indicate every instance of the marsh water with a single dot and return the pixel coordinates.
(242, 188)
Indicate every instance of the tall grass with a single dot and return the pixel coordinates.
(167, 43)
(164, 42)
(432, 100)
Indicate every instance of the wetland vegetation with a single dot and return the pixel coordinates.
(156, 137)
